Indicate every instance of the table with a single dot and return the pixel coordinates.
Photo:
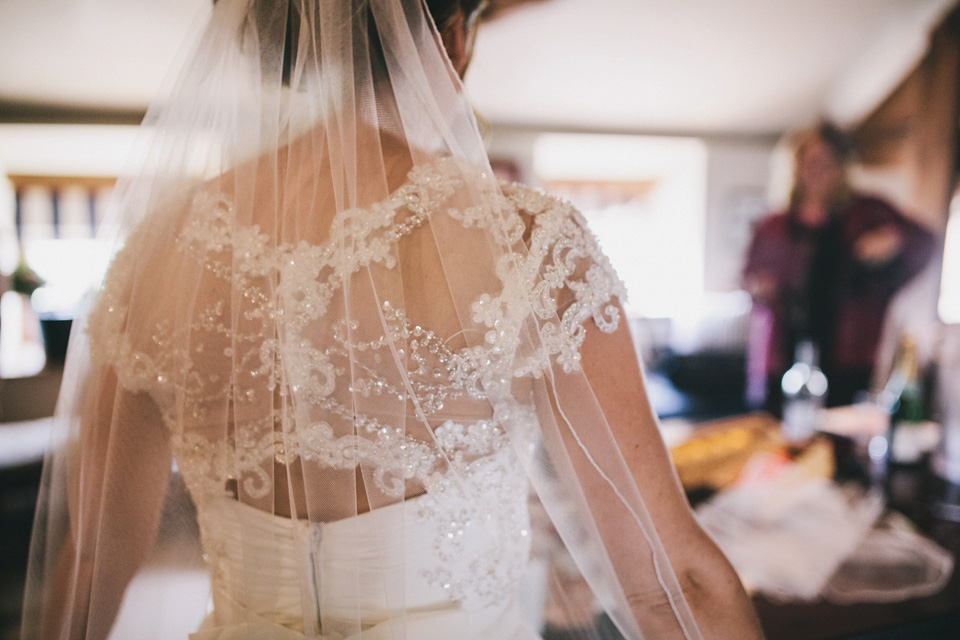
(915, 493)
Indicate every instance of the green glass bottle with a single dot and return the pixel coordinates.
(908, 411)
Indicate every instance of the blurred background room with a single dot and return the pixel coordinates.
(674, 125)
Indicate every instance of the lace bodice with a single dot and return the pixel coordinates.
(265, 367)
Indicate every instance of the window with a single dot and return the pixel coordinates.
(58, 182)
(949, 306)
(645, 199)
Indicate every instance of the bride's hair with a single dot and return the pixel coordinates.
(443, 12)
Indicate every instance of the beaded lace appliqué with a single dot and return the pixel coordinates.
(562, 281)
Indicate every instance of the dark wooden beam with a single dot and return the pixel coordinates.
(16, 112)
(914, 134)
(24, 181)
(496, 8)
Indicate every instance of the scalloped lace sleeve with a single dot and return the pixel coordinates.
(141, 359)
(568, 278)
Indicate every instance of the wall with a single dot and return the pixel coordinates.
(738, 174)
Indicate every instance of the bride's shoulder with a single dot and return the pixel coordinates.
(533, 200)
(546, 216)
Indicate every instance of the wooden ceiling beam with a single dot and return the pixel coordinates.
(16, 112)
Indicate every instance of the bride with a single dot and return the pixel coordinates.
(366, 358)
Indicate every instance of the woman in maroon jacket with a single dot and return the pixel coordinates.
(825, 270)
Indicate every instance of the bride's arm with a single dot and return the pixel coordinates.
(118, 484)
(716, 597)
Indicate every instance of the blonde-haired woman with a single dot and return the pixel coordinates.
(825, 270)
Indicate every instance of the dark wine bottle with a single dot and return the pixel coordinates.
(804, 391)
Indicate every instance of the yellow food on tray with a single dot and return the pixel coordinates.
(717, 453)
(713, 445)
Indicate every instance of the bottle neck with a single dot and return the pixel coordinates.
(807, 353)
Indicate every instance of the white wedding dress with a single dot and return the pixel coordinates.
(361, 351)
(445, 549)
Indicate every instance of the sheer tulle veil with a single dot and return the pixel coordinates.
(327, 319)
